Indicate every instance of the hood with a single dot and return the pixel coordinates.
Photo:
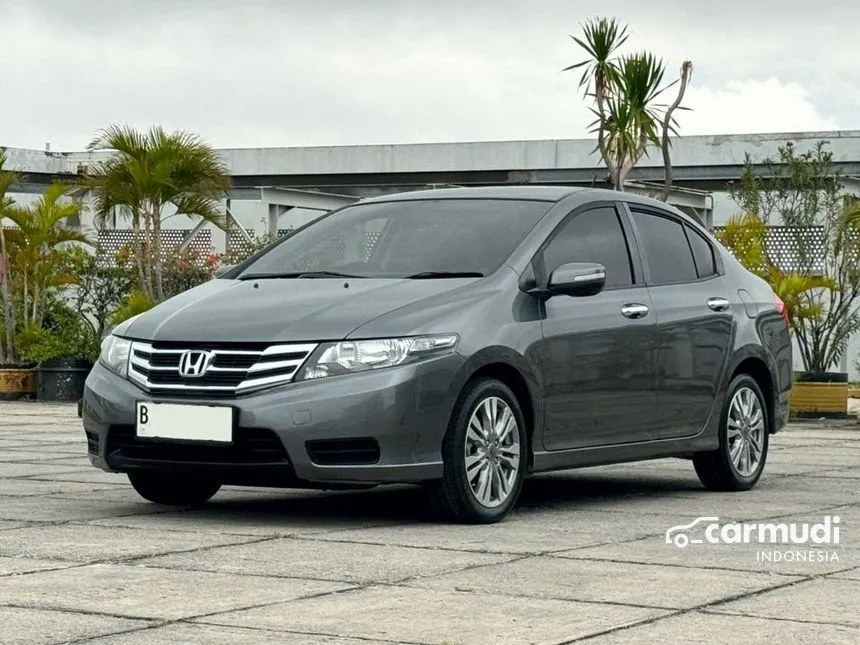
(280, 310)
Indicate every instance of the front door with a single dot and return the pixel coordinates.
(598, 354)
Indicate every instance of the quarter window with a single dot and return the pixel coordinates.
(592, 236)
(666, 249)
(703, 253)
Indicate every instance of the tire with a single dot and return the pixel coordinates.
(172, 489)
(497, 458)
(717, 469)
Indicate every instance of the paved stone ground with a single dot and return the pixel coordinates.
(583, 559)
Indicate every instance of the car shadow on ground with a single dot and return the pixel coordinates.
(400, 504)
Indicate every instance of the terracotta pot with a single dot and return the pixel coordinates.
(17, 383)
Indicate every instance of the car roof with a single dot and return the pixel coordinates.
(546, 193)
(539, 193)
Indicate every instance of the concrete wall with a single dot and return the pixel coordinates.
(702, 151)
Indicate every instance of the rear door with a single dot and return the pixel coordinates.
(692, 303)
(598, 354)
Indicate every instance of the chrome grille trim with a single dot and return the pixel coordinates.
(255, 373)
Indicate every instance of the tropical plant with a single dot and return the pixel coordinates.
(818, 277)
(146, 173)
(8, 355)
(99, 289)
(746, 237)
(35, 249)
(136, 303)
(625, 90)
(238, 254)
(63, 334)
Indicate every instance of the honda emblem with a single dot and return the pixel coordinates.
(195, 363)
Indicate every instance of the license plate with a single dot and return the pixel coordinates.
(205, 423)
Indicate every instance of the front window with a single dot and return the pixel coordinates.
(419, 238)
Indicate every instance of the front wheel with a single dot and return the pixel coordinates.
(738, 462)
(174, 490)
(484, 454)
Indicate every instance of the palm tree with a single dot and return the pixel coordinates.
(147, 172)
(7, 348)
(38, 234)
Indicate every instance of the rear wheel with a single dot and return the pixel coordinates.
(174, 489)
(484, 454)
(738, 462)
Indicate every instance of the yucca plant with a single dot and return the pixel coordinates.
(625, 90)
(631, 119)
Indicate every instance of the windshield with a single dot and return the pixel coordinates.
(418, 239)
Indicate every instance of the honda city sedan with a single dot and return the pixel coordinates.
(462, 339)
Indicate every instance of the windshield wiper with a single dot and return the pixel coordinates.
(430, 275)
(298, 274)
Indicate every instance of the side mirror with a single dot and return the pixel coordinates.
(578, 279)
(222, 270)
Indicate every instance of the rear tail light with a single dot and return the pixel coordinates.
(781, 308)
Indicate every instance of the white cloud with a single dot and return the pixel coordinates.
(272, 73)
(741, 107)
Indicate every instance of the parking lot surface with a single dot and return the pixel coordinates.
(584, 557)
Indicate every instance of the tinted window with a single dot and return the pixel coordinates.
(398, 239)
(703, 253)
(593, 236)
(666, 249)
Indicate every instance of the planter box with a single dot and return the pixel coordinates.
(62, 379)
(17, 383)
(854, 392)
(819, 399)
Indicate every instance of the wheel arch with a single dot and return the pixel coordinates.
(753, 364)
(514, 371)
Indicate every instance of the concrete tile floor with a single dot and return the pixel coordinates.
(583, 558)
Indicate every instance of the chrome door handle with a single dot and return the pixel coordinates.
(634, 310)
(718, 304)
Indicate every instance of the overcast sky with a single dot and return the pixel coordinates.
(323, 72)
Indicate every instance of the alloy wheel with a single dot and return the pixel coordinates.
(745, 431)
(492, 452)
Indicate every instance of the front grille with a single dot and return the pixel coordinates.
(225, 369)
(250, 446)
(343, 452)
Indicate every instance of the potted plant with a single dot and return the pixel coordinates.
(809, 259)
(31, 239)
(64, 349)
(17, 378)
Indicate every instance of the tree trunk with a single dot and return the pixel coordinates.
(156, 252)
(8, 308)
(147, 257)
(138, 250)
(686, 71)
(601, 136)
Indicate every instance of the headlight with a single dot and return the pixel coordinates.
(115, 353)
(351, 356)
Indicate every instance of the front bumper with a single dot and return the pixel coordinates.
(381, 426)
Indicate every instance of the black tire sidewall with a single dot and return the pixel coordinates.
(737, 383)
(455, 464)
(173, 489)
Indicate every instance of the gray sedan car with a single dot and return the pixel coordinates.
(461, 339)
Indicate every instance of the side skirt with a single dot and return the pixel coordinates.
(620, 453)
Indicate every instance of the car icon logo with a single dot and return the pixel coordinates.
(680, 535)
